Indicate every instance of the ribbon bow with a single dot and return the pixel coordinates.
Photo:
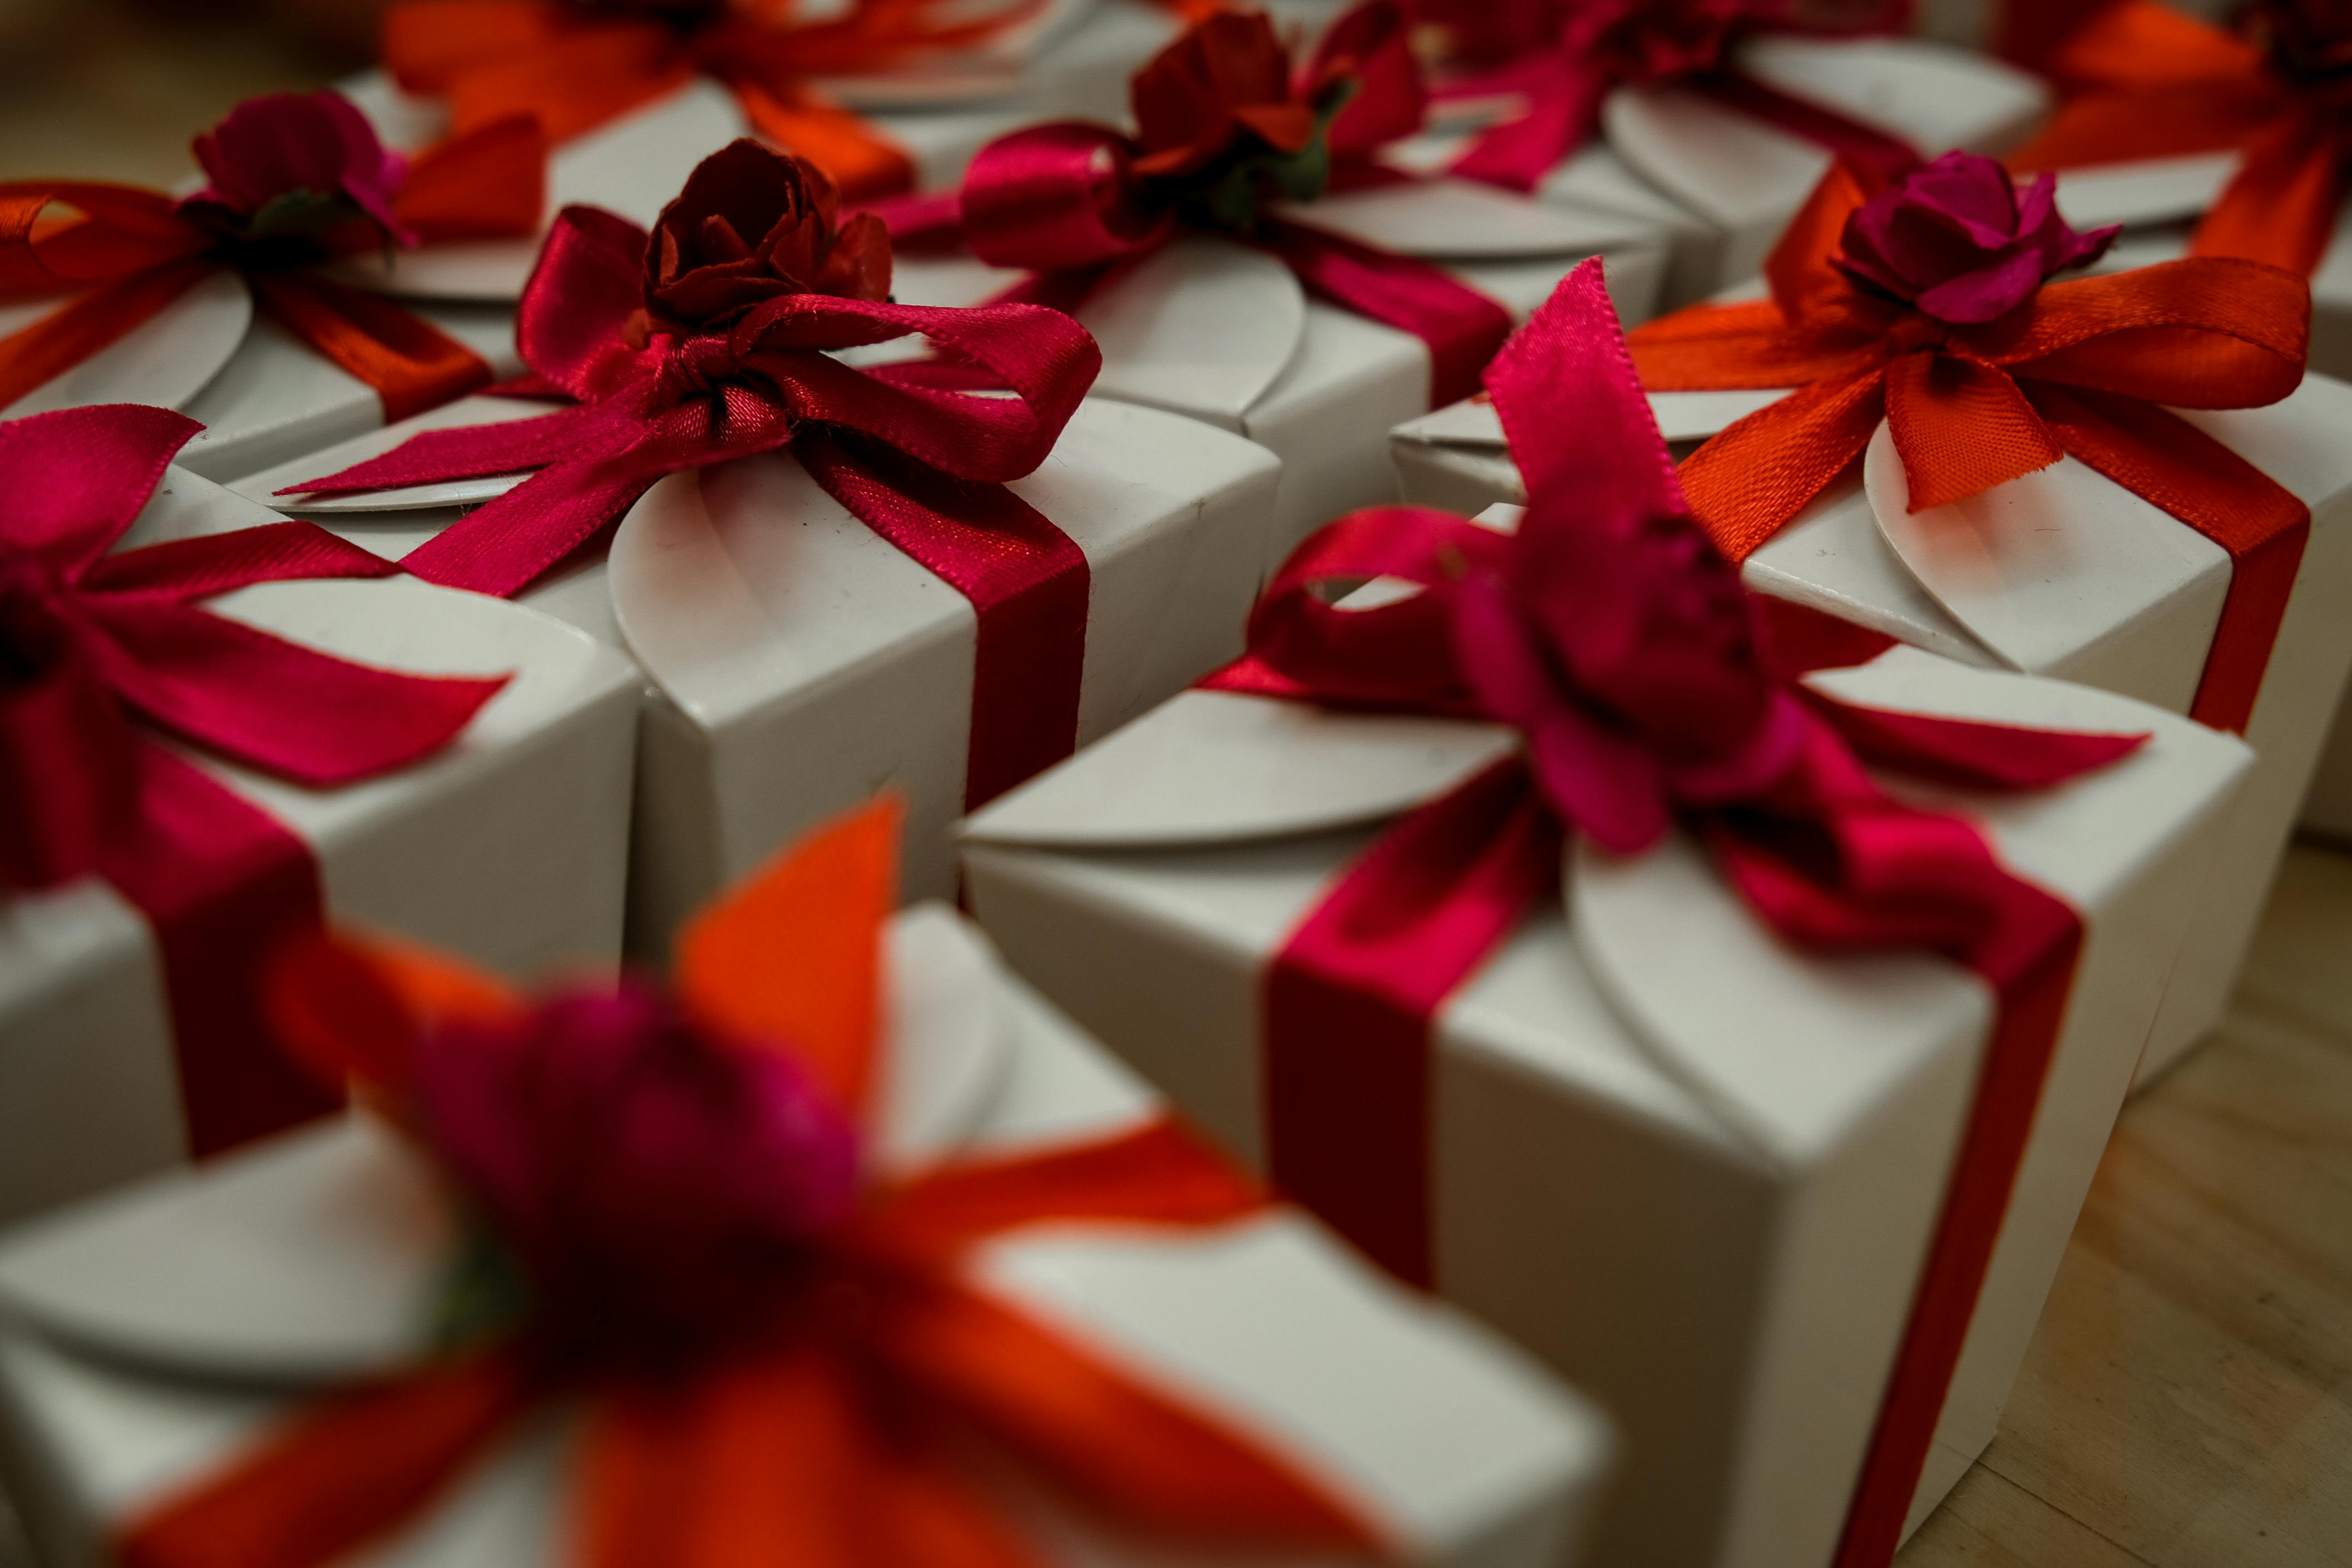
(1224, 130)
(1562, 58)
(574, 67)
(2079, 367)
(2145, 81)
(784, 1359)
(99, 651)
(1622, 647)
(132, 251)
(926, 468)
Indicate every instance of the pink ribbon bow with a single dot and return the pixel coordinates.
(1563, 57)
(923, 466)
(1624, 649)
(1068, 202)
(99, 651)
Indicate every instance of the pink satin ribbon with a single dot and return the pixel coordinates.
(923, 466)
(99, 651)
(1064, 201)
(1563, 87)
(1654, 705)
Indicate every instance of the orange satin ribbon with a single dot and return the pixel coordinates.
(840, 1440)
(491, 58)
(2145, 81)
(2084, 369)
(130, 253)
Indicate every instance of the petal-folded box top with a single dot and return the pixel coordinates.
(2177, 533)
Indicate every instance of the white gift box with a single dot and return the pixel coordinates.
(145, 1339)
(1215, 330)
(795, 661)
(1694, 1168)
(509, 847)
(2071, 576)
(1728, 183)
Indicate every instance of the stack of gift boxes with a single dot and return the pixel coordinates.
(1112, 782)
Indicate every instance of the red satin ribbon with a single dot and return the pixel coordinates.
(1820, 853)
(574, 71)
(1067, 202)
(99, 640)
(837, 1436)
(924, 468)
(1563, 63)
(2084, 369)
(131, 254)
(2145, 81)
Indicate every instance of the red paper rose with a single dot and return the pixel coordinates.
(1226, 78)
(1957, 240)
(296, 165)
(754, 224)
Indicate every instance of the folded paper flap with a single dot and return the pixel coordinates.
(1695, 415)
(1208, 767)
(1935, 97)
(1473, 422)
(164, 362)
(1425, 1422)
(1790, 1050)
(1447, 218)
(264, 486)
(320, 1254)
(2046, 568)
(1202, 326)
(2143, 191)
(745, 583)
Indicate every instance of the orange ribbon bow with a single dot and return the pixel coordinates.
(835, 1432)
(131, 253)
(2084, 369)
(575, 68)
(2145, 81)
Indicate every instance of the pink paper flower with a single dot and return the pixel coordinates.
(658, 1181)
(293, 163)
(1957, 241)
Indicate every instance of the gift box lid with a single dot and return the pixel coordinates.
(318, 1256)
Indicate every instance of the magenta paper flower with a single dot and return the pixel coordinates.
(293, 163)
(1957, 240)
(648, 1175)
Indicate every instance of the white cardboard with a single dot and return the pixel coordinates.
(2062, 574)
(508, 847)
(163, 361)
(1692, 1168)
(796, 661)
(315, 1256)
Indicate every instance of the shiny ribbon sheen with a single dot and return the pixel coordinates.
(1065, 201)
(131, 254)
(91, 642)
(1563, 79)
(2086, 369)
(923, 468)
(574, 70)
(1814, 847)
(841, 1439)
(2145, 81)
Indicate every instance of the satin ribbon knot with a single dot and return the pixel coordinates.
(2086, 367)
(102, 656)
(1633, 665)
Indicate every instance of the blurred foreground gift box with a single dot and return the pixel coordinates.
(127, 1035)
(1080, 1337)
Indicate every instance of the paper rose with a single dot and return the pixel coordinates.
(752, 225)
(293, 165)
(1957, 240)
(1225, 78)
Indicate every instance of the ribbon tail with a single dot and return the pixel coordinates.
(340, 1476)
(412, 364)
(2281, 206)
(1967, 752)
(1563, 113)
(1028, 583)
(504, 547)
(2157, 454)
(1749, 480)
(1348, 999)
(1962, 427)
(1461, 326)
(1841, 136)
(37, 353)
